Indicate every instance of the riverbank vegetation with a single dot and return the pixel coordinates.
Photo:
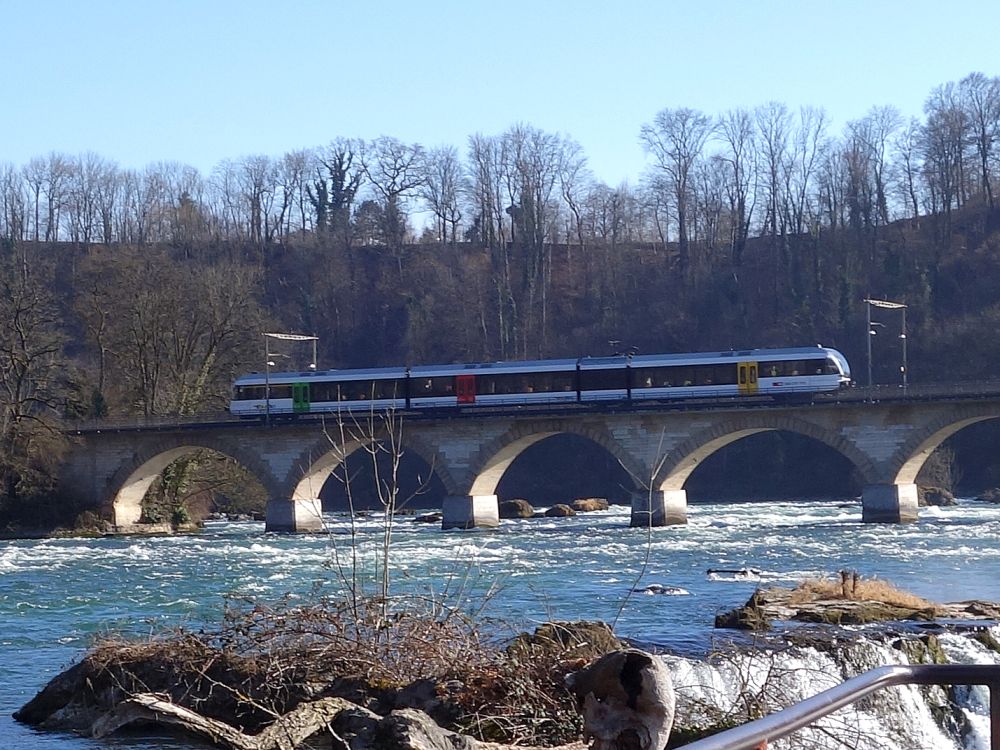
(418, 673)
(139, 293)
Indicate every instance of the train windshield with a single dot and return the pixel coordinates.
(838, 363)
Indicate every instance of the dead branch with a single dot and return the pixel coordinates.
(351, 726)
(286, 733)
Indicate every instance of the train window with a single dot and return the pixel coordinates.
(388, 389)
(683, 375)
(654, 377)
(319, 392)
(524, 382)
(249, 393)
(715, 375)
(602, 380)
(280, 391)
(549, 382)
(442, 385)
(791, 368)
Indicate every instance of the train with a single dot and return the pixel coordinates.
(777, 373)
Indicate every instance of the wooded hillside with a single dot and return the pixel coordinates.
(145, 292)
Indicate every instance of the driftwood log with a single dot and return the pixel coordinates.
(286, 733)
(351, 727)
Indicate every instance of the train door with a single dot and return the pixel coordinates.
(300, 398)
(747, 377)
(465, 389)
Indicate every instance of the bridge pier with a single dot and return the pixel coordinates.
(889, 503)
(294, 516)
(470, 511)
(659, 508)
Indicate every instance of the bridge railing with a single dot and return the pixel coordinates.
(149, 422)
(969, 389)
(785, 722)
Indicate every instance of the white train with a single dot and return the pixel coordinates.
(657, 377)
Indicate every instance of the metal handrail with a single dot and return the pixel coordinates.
(783, 723)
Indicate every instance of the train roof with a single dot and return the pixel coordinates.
(742, 354)
(540, 365)
(375, 373)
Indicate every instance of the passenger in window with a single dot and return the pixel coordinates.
(773, 371)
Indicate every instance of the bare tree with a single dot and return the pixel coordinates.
(256, 177)
(740, 156)
(945, 134)
(489, 227)
(290, 177)
(172, 343)
(395, 171)
(31, 372)
(873, 134)
(441, 188)
(532, 171)
(774, 126)
(13, 206)
(334, 187)
(907, 152)
(807, 147)
(980, 97)
(675, 139)
(575, 180)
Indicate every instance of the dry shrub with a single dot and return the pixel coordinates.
(522, 698)
(263, 660)
(857, 589)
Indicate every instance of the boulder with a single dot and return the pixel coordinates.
(516, 508)
(564, 642)
(560, 510)
(587, 504)
(750, 616)
(991, 495)
(432, 517)
(628, 701)
(934, 496)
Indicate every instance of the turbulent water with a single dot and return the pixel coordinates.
(56, 595)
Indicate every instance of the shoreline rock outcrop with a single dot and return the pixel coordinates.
(850, 604)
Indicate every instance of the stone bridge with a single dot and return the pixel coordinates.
(886, 441)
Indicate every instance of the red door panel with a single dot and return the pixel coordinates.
(465, 388)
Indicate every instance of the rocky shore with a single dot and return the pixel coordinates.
(848, 600)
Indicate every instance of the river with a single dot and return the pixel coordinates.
(56, 595)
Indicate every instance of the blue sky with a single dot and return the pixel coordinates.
(199, 81)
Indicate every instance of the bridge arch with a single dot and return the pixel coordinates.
(913, 454)
(494, 458)
(128, 486)
(316, 463)
(682, 460)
